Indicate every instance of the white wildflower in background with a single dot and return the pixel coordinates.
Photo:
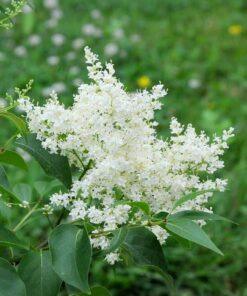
(34, 40)
(118, 33)
(58, 87)
(78, 43)
(20, 51)
(58, 39)
(135, 38)
(194, 83)
(53, 60)
(96, 14)
(109, 135)
(111, 49)
(56, 14)
(91, 30)
(50, 4)
(74, 70)
(26, 9)
(77, 82)
(70, 56)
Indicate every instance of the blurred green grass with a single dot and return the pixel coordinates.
(198, 50)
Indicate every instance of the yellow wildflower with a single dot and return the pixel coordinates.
(143, 81)
(235, 29)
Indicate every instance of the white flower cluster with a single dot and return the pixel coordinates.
(109, 135)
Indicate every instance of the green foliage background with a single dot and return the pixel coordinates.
(180, 41)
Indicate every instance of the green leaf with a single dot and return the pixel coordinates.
(53, 164)
(160, 216)
(17, 121)
(118, 239)
(10, 282)
(4, 186)
(23, 191)
(3, 178)
(28, 20)
(44, 188)
(192, 232)
(35, 269)
(143, 206)
(189, 196)
(95, 291)
(9, 239)
(100, 291)
(12, 158)
(71, 255)
(5, 212)
(145, 249)
(143, 245)
(197, 215)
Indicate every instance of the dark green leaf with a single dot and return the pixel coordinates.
(10, 282)
(12, 158)
(3, 178)
(191, 231)
(118, 239)
(160, 216)
(100, 291)
(37, 273)
(71, 255)
(143, 206)
(95, 291)
(189, 196)
(44, 188)
(197, 215)
(9, 239)
(53, 164)
(23, 191)
(4, 186)
(144, 247)
(17, 121)
(5, 212)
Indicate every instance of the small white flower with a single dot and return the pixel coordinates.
(58, 87)
(96, 14)
(53, 60)
(160, 233)
(194, 83)
(78, 43)
(34, 40)
(74, 70)
(111, 49)
(91, 30)
(51, 23)
(70, 56)
(50, 4)
(56, 14)
(58, 39)
(112, 258)
(118, 33)
(26, 9)
(135, 38)
(20, 51)
(77, 82)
